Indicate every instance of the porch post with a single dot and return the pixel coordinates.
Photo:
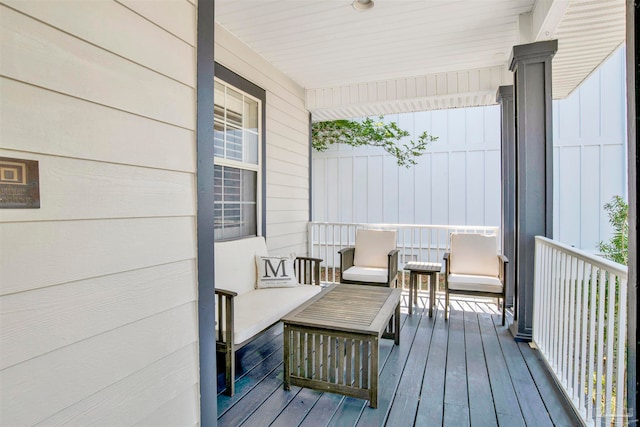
(504, 97)
(204, 219)
(531, 65)
(633, 122)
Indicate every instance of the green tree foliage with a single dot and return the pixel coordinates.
(371, 132)
(617, 247)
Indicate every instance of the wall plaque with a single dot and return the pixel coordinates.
(19, 183)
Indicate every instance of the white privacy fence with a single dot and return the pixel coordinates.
(579, 325)
(415, 242)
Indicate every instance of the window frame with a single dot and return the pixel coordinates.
(238, 83)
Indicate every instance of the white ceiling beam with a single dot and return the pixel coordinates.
(524, 29)
(456, 89)
(545, 18)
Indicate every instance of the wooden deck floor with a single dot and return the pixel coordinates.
(467, 371)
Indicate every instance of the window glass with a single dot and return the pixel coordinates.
(237, 163)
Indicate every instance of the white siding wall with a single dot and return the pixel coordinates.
(458, 180)
(287, 127)
(98, 286)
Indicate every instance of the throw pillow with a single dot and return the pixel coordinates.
(275, 272)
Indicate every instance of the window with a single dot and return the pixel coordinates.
(237, 163)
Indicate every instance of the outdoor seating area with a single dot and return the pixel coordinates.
(468, 370)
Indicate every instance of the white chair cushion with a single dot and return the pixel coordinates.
(366, 274)
(373, 247)
(466, 282)
(256, 310)
(475, 254)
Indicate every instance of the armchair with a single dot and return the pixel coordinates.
(373, 260)
(474, 267)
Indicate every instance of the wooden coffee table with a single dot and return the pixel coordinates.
(331, 341)
(430, 269)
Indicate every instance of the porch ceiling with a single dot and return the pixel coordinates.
(416, 55)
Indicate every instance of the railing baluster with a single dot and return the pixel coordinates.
(570, 366)
(582, 407)
(565, 319)
(600, 341)
(610, 342)
(620, 362)
(555, 333)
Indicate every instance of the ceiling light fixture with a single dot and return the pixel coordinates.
(362, 5)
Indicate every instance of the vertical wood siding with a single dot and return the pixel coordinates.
(590, 155)
(98, 286)
(458, 180)
(455, 182)
(287, 146)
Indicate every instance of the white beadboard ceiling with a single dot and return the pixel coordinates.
(411, 55)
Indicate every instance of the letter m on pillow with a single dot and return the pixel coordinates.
(268, 267)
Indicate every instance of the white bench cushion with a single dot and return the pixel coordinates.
(466, 282)
(373, 247)
(366, 274)
(260, 308)
(235, 263)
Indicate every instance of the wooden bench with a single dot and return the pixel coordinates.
(242, 311)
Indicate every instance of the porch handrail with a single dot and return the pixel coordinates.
(579, 326)
(416, 242)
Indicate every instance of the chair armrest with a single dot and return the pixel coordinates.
(502, 272)
(446, 257)
(308, 270)
(347, 250)
(224, 292)
(225, 305)
(392, 267)
(346, 259)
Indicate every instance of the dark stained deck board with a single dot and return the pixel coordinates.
(323, 410)
(557, 408)
(272, 407)
(502, 381)
(252, 377)
(408, 395)
(431, 405)
(455, 386)
(533, 410)
(504, 396)
(391, 374)
(481, 407)
(347, 413)
(239, 412)
(298, 409)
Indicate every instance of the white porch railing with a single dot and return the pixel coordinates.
(415, 242)
(579, 325)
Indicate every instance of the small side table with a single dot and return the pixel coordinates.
(430, 269)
